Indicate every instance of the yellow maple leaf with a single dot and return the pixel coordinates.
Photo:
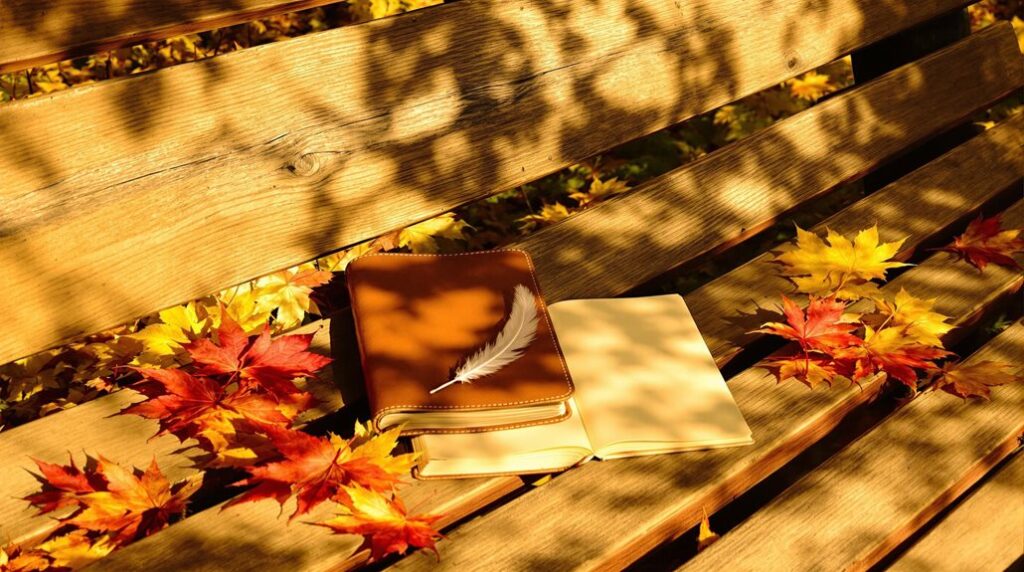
(917, 316)
(366, 10)
(600, 190)
(1018, 27)
(549, 214)
(75, 550)
(811, 86)
(242, 305)
(287, 294)
(338, 261)
(841, 266)
(164, 339)
(27, 376)
(420, 237)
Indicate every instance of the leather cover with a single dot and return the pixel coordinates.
(418, 316)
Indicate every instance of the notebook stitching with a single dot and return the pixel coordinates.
(544, 307)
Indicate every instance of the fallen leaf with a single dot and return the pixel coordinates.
(985, 241)
(821, 327)
(892, 351)
(315, 469)
(975, 379)
(384, 524)
(705, 536)
(76, 550)
(842, 267)
(916, 315)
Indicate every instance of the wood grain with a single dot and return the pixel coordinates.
(851, 511)
(94, 428)
(985, 532)
(611, 513)
(36, 32)
(760, 397)
(131, 195)
(770, 173)
(946, 190)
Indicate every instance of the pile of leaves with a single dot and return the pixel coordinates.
(899, 339)
(238, 396)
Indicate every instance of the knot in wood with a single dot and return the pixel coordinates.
(305, 165)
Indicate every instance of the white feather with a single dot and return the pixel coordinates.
(507, 346)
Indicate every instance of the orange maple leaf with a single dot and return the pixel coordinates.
(975, 379)
(894, 352)
(110, 499)
(383, 522)
(985, 241)
(811, 368)
(316, 469)
(186, 405)
(820, 328)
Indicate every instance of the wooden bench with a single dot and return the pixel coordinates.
(128, 196)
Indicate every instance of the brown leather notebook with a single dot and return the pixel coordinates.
(422, 318)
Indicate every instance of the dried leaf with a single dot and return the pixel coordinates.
(975, 379)
(842, 267)
(985, 241)
(384, 524)
(822, 327)
(705, 536)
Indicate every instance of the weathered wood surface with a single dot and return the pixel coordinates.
(772, 172)
(36, 32)
(985, 532)
(856, 507)
(915, 207)
(611, 513)
(940, 193)
(772, 414)
(132, 195)
(94, 428)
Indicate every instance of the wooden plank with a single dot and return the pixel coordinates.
(943, 192)
(611, 513)
(295, 148)
(95, 428)
(937, 194)
(36, 32)
(986, 532)
(762, 408)
(770, 173)
(851, 511)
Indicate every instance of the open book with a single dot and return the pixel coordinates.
(645, 382)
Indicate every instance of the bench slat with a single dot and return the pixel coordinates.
(158, 552)
(774, 171)
(952, 182)
(612, 513)
(856, 507)
(983, 533)
(37, 32)
(296, 148)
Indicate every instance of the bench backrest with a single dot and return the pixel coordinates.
(132, 195)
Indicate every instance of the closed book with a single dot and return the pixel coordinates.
(646, 384)
(419, 317)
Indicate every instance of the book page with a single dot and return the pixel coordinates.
(534, 448)
(645, 380)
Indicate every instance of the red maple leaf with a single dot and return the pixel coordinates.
(62, 484)
(185, 404)
(819, 328)
(315, 469)
(985, 241)
(271, 363)
(894, 352)
(384, 523)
